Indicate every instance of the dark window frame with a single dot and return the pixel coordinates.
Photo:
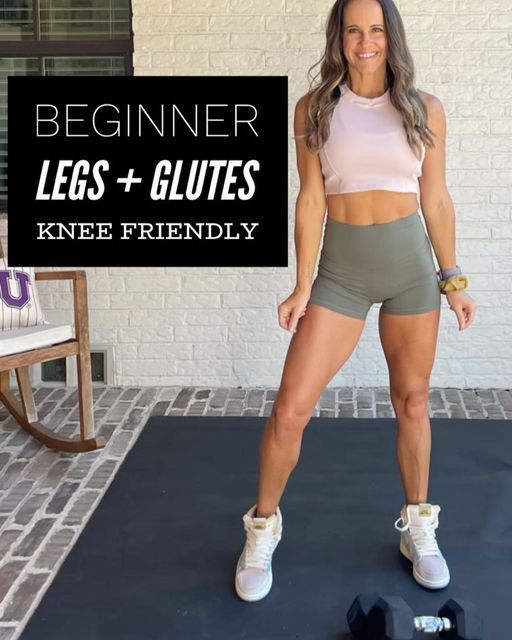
(64, 48)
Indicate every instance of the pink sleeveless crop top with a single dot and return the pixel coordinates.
(367, 147)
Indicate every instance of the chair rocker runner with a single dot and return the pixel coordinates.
(24, 346)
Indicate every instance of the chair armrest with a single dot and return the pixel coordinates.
(60, 275)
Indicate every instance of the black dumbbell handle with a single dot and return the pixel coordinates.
(431, 624)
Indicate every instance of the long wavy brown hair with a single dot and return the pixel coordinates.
(334, 71)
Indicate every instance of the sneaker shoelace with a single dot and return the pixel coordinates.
(423, 535)
(259, 548)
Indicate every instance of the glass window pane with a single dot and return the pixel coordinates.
(84, 66)
(16, 20)
(98, 366)
(54, 66)
(85, 20)
(54, 370)
(10, 67)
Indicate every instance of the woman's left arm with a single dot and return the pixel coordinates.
(437, 207)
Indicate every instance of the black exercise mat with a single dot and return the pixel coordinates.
(157, 558)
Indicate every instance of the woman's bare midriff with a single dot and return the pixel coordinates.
(371, 207)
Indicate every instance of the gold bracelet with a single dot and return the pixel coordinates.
(454, 283)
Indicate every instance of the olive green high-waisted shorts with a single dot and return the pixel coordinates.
(390, 263)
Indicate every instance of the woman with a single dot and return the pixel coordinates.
(370, 148)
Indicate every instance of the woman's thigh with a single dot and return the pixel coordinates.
(323, 342)
(409, 344)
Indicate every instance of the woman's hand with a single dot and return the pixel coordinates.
(463, 306)
(291, 310)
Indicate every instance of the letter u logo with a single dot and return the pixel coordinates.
(23, 280)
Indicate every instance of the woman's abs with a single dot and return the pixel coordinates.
(371, 207)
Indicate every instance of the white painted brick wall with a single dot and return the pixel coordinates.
(218, 326)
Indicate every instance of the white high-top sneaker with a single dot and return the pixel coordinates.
(253, 578)
(419, 545)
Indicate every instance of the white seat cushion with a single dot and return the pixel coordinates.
(27, 338)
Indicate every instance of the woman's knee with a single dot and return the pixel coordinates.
(411, 403)
(291, 417)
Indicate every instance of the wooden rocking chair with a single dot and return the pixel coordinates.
(25, 346)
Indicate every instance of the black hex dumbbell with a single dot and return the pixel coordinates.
(371, 617)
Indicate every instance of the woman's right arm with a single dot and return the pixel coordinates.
(310, 205)
(309, 221)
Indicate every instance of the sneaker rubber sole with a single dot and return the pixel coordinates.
(429, 584)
